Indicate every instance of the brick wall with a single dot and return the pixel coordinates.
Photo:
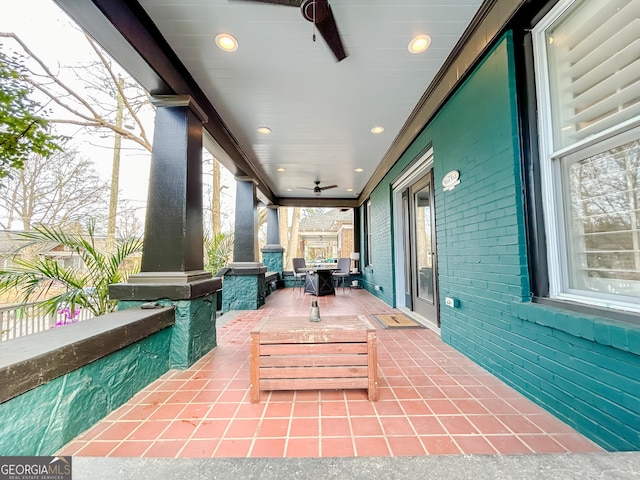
(588, 380)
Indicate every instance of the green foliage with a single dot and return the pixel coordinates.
(86, 287)
(22, 129)
(218, 251)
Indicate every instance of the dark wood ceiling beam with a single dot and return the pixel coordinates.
(146, 55)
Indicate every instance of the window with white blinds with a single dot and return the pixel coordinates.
(593, 53)
(588, 84)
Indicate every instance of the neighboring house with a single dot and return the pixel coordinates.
(327, 236)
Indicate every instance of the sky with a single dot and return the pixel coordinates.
(50, 35)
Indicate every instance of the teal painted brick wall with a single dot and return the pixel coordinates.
(581, 368)
(194, 331)
(242, 292)
(273, 261)
(42, 420)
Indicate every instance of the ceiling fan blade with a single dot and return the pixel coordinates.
(287, 3)
(329, 31)
(328, 187)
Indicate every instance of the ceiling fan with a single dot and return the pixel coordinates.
(318, 189)
(319, 13)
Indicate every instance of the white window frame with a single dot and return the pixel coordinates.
(551, 176)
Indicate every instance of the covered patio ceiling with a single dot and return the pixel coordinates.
(320, 111)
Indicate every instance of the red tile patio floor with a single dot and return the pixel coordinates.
(433, 400)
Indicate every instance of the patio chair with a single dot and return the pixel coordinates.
(343, 272)
(299, 272)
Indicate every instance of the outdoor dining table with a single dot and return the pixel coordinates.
(319, 281)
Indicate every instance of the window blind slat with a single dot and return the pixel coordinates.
(613, 92)
(610, 121)
(623, 56)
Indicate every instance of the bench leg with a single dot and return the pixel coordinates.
(254, 367)
(372, 366)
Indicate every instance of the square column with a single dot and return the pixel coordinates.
(172, 270)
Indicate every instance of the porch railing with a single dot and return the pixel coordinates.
(28, 318)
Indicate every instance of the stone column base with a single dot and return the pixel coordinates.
(244, 286)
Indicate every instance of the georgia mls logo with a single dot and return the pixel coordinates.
(35, 468)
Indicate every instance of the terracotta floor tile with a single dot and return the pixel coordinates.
(366, 426)
(415, 407)
(211, 428)
(518, 424)
(508, 444)
(275, 410)
(273, 427)
(180, 429)
(195, 411)
(443, 407)
(336, 409)
(233, 448)
(182, 396)
(335, 426)
(199, 449)
(268, 447)
(167, 412)
(131, 449)
(97, 448)
(405, 446)
(222, 410)
(457, 425)
(232, 395)
(542, 444)
(149, 430)
(574, 442)
(336, 446)
(470, 407)
(473, 444)
(165, 449)
(250, 410)
(440, 445)
(303, 447)
(72, 448)
(305, 427)
(360, 408)
(488, 424)
(306, 409)
(118, 430)
(242, 428)
(388, 407)
(426, 425)
(396, 426)
(371, 447)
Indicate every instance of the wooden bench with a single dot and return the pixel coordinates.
(292, 353)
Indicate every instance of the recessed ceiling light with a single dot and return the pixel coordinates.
(226, 42)
(359, 170)
(419, 44)
(289, 189)
(280, 169)
(264, 130)
(377, 129)
(349, 189)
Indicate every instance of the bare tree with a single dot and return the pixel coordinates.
(58, 191)
(103, 101)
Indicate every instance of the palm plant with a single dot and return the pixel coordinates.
(46, 282)
(218, 250)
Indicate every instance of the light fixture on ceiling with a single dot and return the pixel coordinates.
(359, 170)
(419, 43)
(377, 129)
(264, 130)
(349, 189)
(280, 169)
(289, 189)
(226, 42)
